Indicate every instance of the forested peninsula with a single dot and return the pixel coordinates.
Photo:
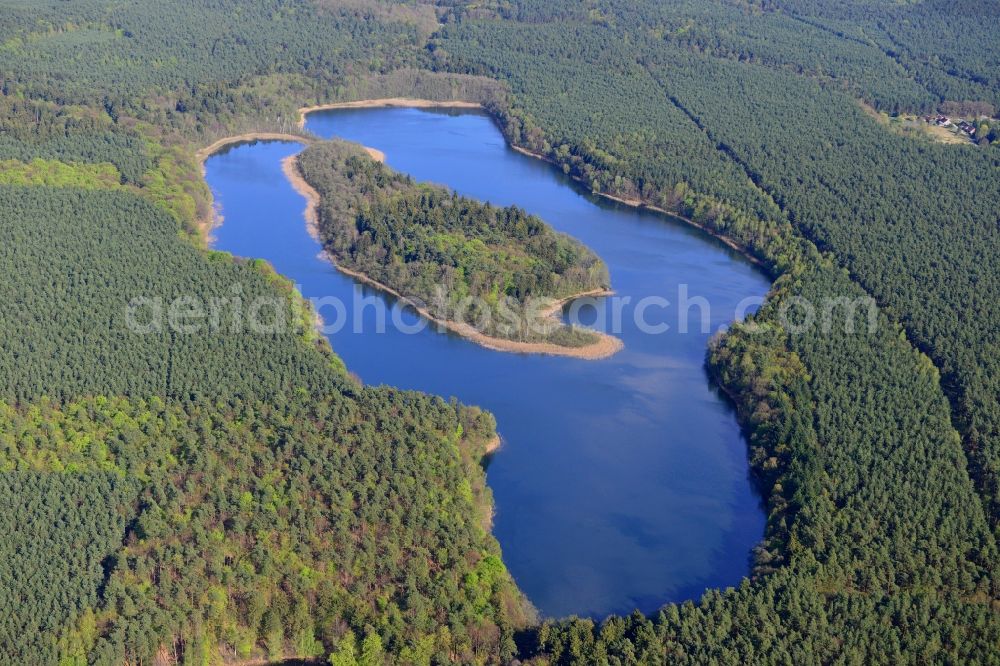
(495, 275)
(229, 497)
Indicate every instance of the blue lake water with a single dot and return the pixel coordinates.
(621, 483)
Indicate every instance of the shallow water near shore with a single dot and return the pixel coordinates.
(621, 483)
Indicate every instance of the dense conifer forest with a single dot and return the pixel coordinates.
(466, 261)
(233, 495)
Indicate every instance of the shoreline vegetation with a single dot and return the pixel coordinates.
(420, 103)
(641, 204)
(604, 347)
(492, 446)
(440, 249)
(248, 137)
(384, 102)
(204, 225)
(189, 498)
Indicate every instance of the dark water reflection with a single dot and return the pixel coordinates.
(621, 483)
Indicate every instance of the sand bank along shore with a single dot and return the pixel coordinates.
(603, 347)
(375, 154)
(206, 225)
(639, 203)
(290, 167)
(492, 446)
(249, 137)
(399, 102)
(407, 102)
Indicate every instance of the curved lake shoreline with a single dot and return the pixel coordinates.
(418, 103)
(387, 102)
(644, 205)
(605, 345)
(249, 137)
(622, 483)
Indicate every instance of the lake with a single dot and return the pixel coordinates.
(621, 483)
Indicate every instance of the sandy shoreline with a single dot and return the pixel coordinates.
(407, 102)
(605, 346)
(375, 154)
(290, 167)
(206, 225)
(206, 152)
(397, 102)
(492, 446)
(640, 204)
(212, 149)
(378, 155)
